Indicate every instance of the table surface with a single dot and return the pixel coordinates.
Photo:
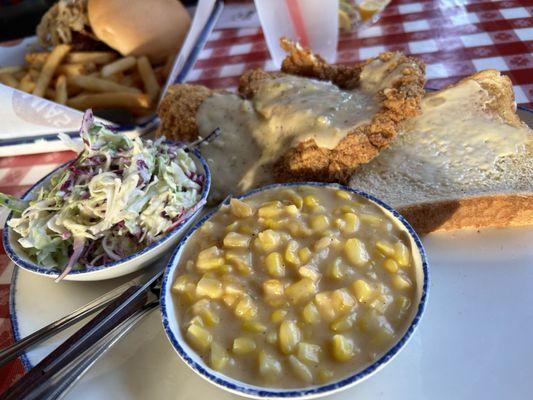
(454, 38)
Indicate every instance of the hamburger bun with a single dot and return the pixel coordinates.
(155, 28)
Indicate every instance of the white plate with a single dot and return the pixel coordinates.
(474, 340)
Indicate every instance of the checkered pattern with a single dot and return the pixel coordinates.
(454, 38)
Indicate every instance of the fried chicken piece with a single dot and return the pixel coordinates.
(395, 80)
(400, 101)
(177, 111)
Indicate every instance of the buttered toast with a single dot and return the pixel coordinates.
(465, 162)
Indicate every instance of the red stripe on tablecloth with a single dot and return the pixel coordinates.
(14, 190)
(232, 41)
(36, 159)
(4, 302)
(11, 372)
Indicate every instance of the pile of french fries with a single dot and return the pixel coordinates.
(89, 79)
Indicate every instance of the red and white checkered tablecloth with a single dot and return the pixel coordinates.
(454, 38)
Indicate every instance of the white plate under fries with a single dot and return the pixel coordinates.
(474, 341)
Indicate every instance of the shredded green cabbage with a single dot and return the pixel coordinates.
(118, 196)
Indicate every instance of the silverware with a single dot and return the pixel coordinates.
(9, 353)
(115, 313)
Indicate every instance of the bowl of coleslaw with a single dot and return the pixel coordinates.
(117, 207)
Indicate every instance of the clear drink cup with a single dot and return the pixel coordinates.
(313, 23)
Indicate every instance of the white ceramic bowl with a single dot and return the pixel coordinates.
(124, 266)
(191, 358)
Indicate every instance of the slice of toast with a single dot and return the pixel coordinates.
(465, 162)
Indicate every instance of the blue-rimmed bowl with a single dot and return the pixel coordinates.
(124, 266)
(194, 361)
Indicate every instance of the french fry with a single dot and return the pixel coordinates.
(11, 69)
(26, 83)
(118, 66)
(34, 74)
(151, 86)
(71, 69)
(49, 93)
(49, 67)
(99, 85)
(97, 57)
(36, 59)
(9, 80)
(61, 89)
(20, 74)
(109, 100)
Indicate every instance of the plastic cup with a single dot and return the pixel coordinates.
(312, 23)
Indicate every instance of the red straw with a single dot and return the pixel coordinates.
(298, 21)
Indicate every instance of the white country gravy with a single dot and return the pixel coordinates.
(285, 111)
(445, 147)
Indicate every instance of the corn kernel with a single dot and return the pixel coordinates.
(355, 252)
(325, 375)
(344, 209)
(343, 194)
(299, 230)
(385, 248)
(219, 356)
(274, 292)
(289, 336)
(240, 209)
(325, 306)
(322, 243)
(254, 326)
(246, 309)
(271, 210)
(305, 255)
(311, 201)
(294, 198)
(243, 345)
(390, 265)
(300, 370)
(210, 317)
(230, 299)
(310, 314)
(292, 210)
(274, 265)
(197, 320)
(370, 321)
(300, 291)
(291, 255)
(309, 353)
(308, 272)
(207, 227)
(371, 219)
(319, 223)
(335, 270)
(232, 226)
(401, 283)
(278, 315)
(362, 291)
(182, 283)
(199, 337)
(209, 259)
(342, 348)
(342, 301)
(240, 261)
(269, 366)
(380, 303)
(268, 240)
(344, 323)
(401, 254)
(401, 305)
(236, 240)
(351, 224)
(209, 287)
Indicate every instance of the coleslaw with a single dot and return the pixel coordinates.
(118, 196)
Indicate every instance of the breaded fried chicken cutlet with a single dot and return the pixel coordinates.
(309, 121)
